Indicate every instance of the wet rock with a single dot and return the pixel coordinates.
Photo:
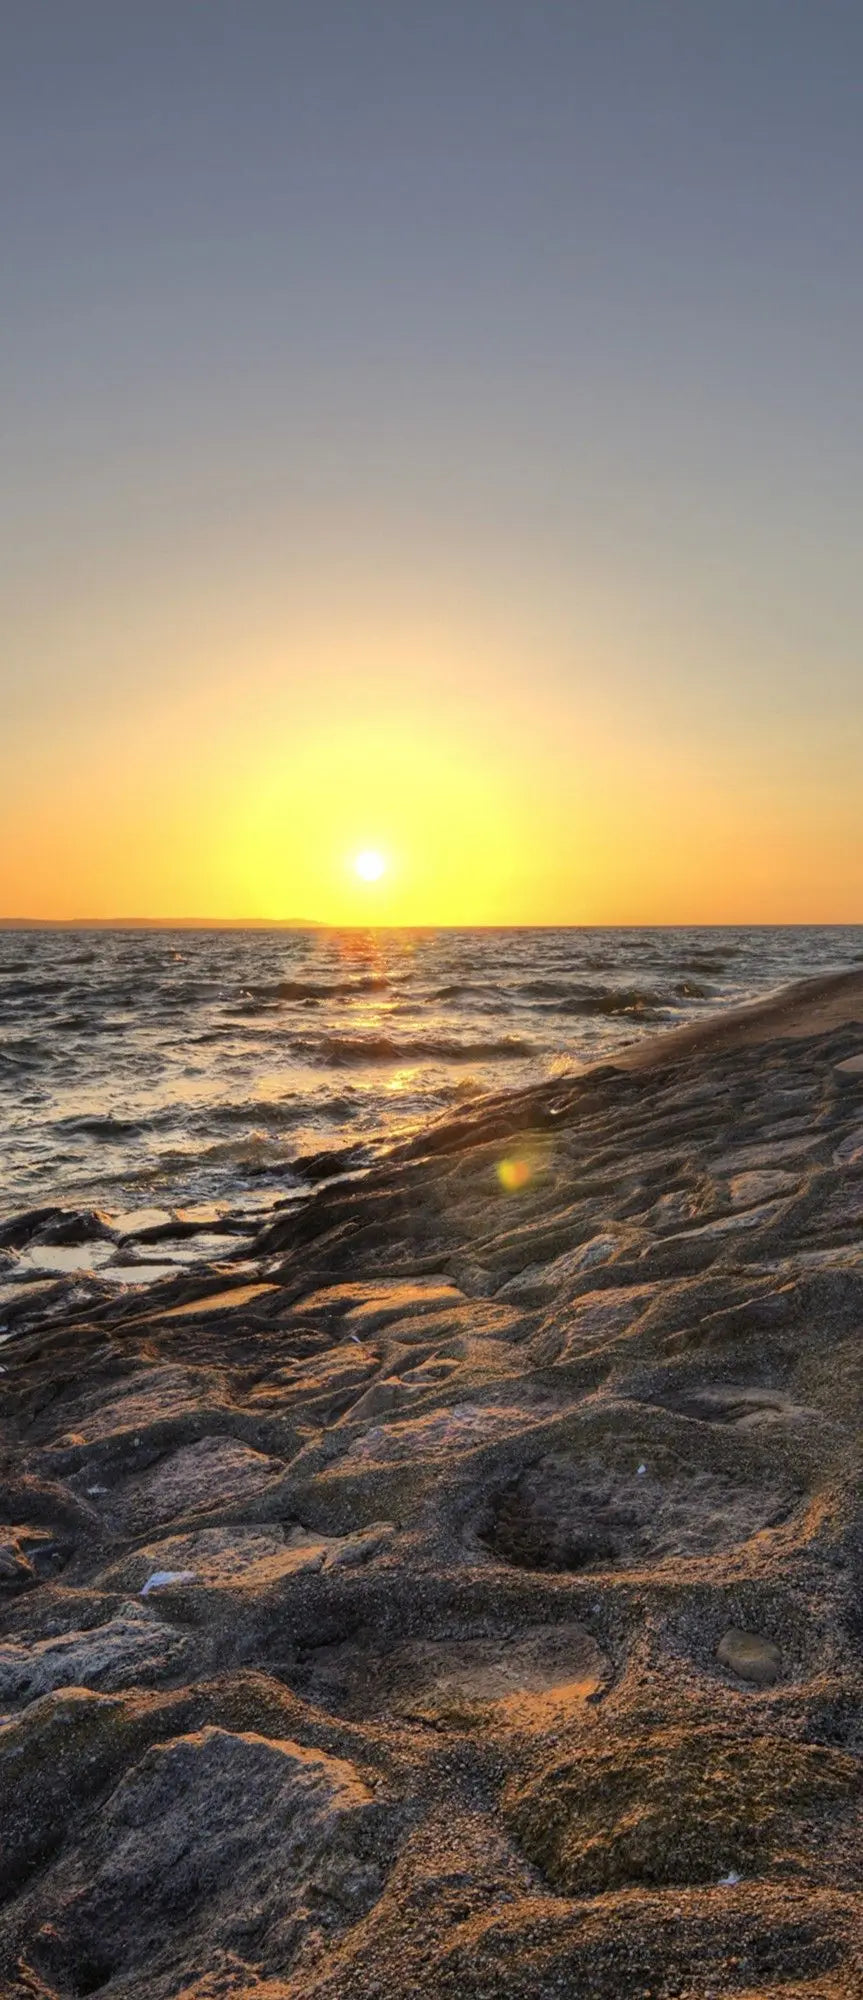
(441, 1434)
(850, 1152)
(148, 1396)
(30, 1554)
(594, 1318)
(732, 1225)
(572, 1513)
(537, 1671)
(200, 1247)
(674, 1806)
(746, 1190)
(380, 1398)
(331, 1162)
(529, 1677)
(216, 1557)
(18, 1229)
(246, 1558)
(473, 1278)
(31, 1298)
(741, 1406)
(54, 1757)
(87, 1225)
(750, 1656)
(158, 1225)
(766, 1154)
(695, 1249)
(215, 1843)
(16, 1570)
(544, 1281)
(133, 1646)
(632, 1454)
(349, 1552)
(673, 1210)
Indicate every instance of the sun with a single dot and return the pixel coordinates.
(369, 865)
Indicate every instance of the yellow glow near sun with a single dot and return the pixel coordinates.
(369, 865)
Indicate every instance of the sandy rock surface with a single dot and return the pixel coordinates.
(466, 1597)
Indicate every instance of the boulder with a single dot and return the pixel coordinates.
(750, 1656)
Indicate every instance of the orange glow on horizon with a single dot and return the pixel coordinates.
(467, 796)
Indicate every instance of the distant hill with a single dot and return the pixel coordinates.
(160, 924)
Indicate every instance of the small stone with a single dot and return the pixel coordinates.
(851, 1070)
(750, 1656)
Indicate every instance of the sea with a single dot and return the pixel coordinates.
(180, 1067)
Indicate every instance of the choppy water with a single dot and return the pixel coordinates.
(176, 1067)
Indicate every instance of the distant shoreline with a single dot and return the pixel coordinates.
(162, 924)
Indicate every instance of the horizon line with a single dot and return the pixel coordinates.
(321, 924)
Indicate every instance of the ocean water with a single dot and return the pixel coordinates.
(180, 1067)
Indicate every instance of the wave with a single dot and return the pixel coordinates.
(23, 1052)
(253, 1152)
(314, 989)
(33, 989)
(105, 1126)
(340, 1051)
(147, 1045)
(635, 1001)
(548, 989)
(464, 989)
(278, 1111)
(569, 998)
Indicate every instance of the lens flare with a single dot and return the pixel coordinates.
(513, 1174)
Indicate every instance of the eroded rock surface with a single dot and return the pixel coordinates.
(462, 1597)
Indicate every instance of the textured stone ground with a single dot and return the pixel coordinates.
(462, 1594)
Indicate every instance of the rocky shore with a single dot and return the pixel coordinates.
(456, 1587)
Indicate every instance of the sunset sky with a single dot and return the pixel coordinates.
(433, 431)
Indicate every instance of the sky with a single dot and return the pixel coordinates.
(432, 428)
